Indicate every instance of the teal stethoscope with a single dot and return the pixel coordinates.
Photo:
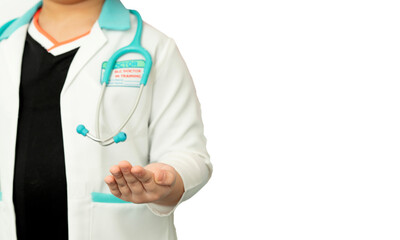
(133, 47)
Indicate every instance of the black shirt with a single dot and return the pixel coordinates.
(40, 188)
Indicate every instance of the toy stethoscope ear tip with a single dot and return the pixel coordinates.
(120, 137)
(82, 130)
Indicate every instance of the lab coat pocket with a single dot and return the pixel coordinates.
(112, 218)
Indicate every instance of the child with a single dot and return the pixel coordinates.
(53, 182)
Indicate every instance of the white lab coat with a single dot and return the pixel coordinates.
(166, 128)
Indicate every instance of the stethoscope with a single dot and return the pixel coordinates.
(133, 47)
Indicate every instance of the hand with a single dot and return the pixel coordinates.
(156, 183)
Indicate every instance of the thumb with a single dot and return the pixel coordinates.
(165, 177)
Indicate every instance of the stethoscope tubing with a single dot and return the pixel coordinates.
(106, 141)
(134, 47)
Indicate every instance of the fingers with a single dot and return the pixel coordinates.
(134, 184)
(141, 174)
(113, 186)
(126, 172)
(141, 184)
(150, 176)
(120, 179)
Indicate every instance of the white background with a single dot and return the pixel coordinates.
(300, 102)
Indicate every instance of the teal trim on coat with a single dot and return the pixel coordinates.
(114, 16)
(106, 198)
(4, 28)
(19, 22)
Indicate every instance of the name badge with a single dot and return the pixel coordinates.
(125, 73)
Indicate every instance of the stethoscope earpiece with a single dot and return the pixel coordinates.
(82, 130)
(121, 137)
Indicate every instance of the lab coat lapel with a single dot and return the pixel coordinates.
(12, 50)
(94, 43)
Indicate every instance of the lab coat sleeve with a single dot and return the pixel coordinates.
(176, 127)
